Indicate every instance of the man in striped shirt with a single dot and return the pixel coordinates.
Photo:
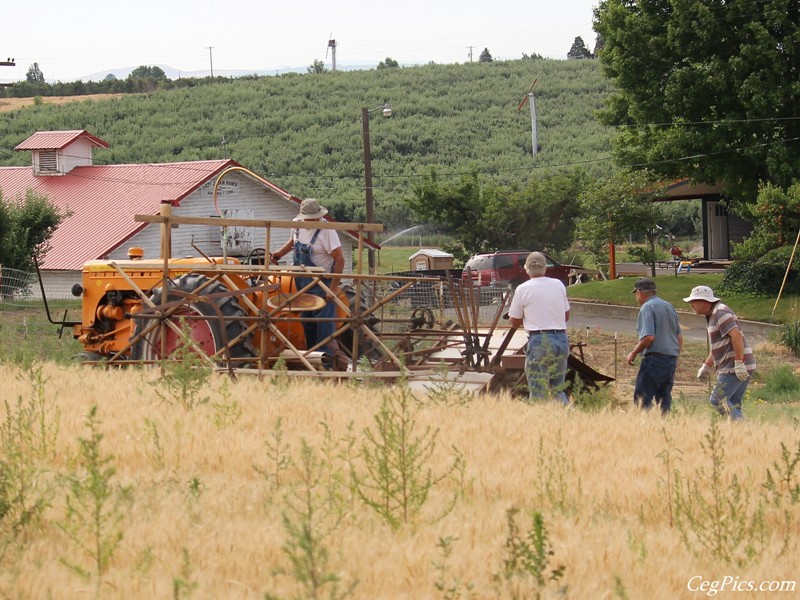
(730, 353)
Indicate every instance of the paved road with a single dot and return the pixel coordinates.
(622, 319)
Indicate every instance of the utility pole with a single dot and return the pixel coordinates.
(370, 202)
(470, 52)
(211, 60)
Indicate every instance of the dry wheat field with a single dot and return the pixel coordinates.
(119, 484)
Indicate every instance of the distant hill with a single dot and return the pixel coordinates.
(172, 73)
(304, 131)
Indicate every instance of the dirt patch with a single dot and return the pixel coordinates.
(8, 104)
(605, 353)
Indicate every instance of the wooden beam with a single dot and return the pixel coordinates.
(217, 222)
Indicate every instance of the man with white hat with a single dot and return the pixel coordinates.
(730, 353)
(316, 248)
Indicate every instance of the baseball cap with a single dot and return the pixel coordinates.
(536, 262)
(644, 284)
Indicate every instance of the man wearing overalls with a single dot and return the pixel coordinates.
(316, 248)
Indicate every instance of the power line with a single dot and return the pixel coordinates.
(715, 122)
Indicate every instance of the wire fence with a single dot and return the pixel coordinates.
(25, 332)
(15, 284)
(441, 300)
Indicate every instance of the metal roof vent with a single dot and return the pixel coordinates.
(46, 162)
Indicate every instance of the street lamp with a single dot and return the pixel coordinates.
(370, 201)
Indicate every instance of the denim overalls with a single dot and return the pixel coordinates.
(314, 332)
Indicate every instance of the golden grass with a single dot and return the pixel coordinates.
(609, 522)
(8, 104)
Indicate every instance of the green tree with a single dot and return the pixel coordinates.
(617, 206)
(145, 72)
(34, 74)
(389, 63)
(705, 90)
(26, 226)
(493, 217)
(578, 50)
(776, 219)
(485, 56)
(317, 66)
(147, 79)
(598, 46)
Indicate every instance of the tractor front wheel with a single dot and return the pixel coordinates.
(210, 323)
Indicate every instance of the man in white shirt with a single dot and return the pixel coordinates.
(540, 306)
(316, 248)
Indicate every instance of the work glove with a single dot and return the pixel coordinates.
(703, 371)
(740, 370)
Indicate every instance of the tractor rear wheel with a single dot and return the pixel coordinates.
(208, 332)
(367, 347)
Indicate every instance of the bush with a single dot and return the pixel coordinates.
(789, 336)
(763, 276)
(782, 385)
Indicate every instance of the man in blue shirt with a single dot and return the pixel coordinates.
(660, 342)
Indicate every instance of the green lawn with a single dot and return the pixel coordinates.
(670, 287)
(675, 288)
(391, 259)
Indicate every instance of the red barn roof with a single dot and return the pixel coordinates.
(103, 201)
(56, 140)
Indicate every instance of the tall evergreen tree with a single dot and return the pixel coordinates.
(598, 45)
(317, 66)
(34, 74)
(578, 50)
(485, 56)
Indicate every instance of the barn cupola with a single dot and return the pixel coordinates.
(58, 152)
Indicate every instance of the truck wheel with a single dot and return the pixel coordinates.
(206, 333)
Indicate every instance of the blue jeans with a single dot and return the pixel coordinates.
(727, 396)
(654, 381)
(546, 365)
(316, 332)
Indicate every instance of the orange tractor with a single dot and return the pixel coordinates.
(239, 314)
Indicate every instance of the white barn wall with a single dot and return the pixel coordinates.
(238, 197)
(241, 196)
(57, 285)
(78, 154)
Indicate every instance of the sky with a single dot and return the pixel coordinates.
(73, 40)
